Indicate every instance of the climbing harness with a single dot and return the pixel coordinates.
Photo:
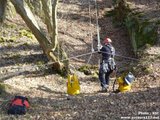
(28, 68)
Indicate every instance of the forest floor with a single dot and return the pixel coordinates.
(23, 73)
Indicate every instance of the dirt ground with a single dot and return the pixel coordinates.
(22, 70)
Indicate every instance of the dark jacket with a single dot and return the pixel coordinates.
(108, 52)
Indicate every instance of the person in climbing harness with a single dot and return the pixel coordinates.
(107, 65)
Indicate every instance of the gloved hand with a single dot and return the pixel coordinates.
(99, 46)
(93, 50)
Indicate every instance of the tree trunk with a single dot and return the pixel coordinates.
(3, 4)
(47, 8)
(50, 11)
(35, 6)
(28, 17)
(47, 45)
(54, 18)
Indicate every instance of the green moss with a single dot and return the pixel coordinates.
(13, 39)
(40, 63)
(8, 39)
(142, 31)
(10, 25)
(2, 40)
(5, 32)
(157, 57)
(95, 75)
(148, 70)
(88, 69)
(26, 44)
(16, 56)
(4, 87)
(26, 33)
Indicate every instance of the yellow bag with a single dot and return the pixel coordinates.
(73, 86)
(122, 86)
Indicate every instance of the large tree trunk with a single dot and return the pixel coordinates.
(28, 17)
(48, 45)
(50, 11)
(3, 4)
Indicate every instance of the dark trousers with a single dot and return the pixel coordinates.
(104, 77)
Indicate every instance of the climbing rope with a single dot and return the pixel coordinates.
(97, 25)
(28, 68)
(91, 35)
(97, 29)
(98, 33)
(89, 53)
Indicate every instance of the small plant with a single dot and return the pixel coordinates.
(8, 39)
(4, 87)
(88, 69)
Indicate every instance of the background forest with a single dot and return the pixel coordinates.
(41, 41)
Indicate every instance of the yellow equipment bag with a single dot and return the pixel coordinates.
(73, 86)
(123, 87)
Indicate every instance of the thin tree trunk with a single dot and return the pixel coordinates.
(3, 4)
(54, 18)
(50, 11)
(47, 8)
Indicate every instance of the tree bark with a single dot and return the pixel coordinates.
(3, 4)
(48, 45)
(35, 6)
(25, 12)
(47, 8)
(50, 11)
(54, 18)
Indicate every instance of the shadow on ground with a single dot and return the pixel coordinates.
(93, 106)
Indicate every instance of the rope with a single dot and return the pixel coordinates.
(97, 24)
(130, 58)
(81, 55)
(91, 35)
(50, 63)
(98, 34)
(89, 53)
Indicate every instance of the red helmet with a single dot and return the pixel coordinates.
(107, 40)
